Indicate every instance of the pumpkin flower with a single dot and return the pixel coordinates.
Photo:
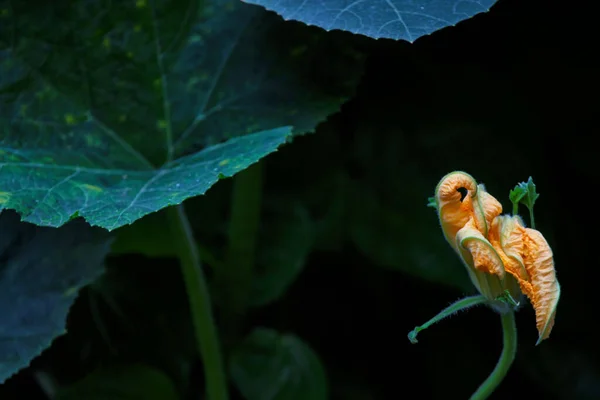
(501, 255)
(504, 260)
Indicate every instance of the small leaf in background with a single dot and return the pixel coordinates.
(122, 382)
(394, 19)
(151, 102)
(41, 272)
(270, 366)
(285, 241)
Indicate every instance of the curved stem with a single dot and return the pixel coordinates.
(507, 357)
(207, 340)
(455, 307)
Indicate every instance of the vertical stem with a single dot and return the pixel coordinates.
(531, 220)
(207, 341)
(507, 357)
(235, 278)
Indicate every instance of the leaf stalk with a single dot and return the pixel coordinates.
(205, 332)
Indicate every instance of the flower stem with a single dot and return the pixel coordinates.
(507, 357)
(207, 340)
(461, 304)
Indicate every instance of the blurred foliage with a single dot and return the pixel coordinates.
(121, 382)
(349, 257)
(268, 365)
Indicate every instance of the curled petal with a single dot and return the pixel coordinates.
(528, 257)
(539, 262)
(456, 209)
(480, 254)
(454, 213)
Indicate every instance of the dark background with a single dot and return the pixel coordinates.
(503, 96)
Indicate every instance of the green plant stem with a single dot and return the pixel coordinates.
(507, 357)
(531, 220)
(236, 275)
(207, 340)
(455, 307)
(516, 208)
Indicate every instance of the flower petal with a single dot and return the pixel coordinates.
(528, 257)
(454, 213)
(488, 209)
(507, 239)
(539, 262)
(480, 254)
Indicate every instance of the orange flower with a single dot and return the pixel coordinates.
(491, 245)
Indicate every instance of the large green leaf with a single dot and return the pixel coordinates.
(393, 19)
(113, 110)
(41, 272)
(271, 366)
(122, 382)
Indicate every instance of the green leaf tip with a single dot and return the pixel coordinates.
(412, 335)
(431, 202)
(524, 193)
(517, 194)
